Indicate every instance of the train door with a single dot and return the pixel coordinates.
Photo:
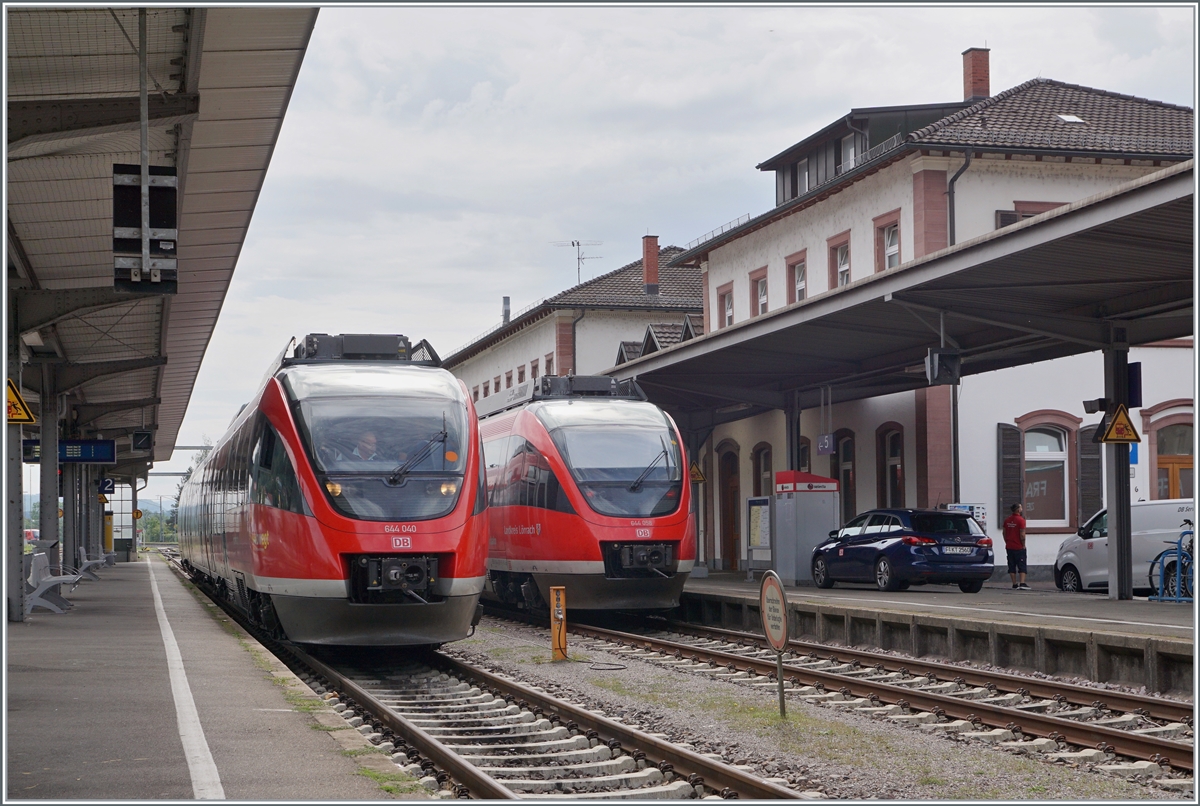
(731, 520)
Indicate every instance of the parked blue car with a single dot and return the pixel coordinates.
(895, 548)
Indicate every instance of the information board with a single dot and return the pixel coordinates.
(759, 530)
(73, 451)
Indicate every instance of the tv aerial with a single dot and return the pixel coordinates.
(579, 255)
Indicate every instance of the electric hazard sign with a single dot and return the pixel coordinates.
(18, 410)
(1120, 428)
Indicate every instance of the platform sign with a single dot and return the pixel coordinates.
(108, 486)
(773, 606)
(18, 410)
(696, 473)
(825, 445)
(1120, 428)
(137, 514)
(73, 451)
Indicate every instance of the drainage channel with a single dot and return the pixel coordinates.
(1016, 720)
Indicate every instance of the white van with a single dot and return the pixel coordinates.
(1082, 562)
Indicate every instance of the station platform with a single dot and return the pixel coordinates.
(1135, 643)
(98, 708)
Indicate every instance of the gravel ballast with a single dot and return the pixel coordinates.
(843, 755)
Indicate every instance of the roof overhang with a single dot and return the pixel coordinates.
(1065, 282)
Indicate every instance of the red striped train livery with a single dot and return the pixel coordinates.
(346, 503)
(588, 490)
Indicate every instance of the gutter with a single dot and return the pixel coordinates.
(575, 343)
(950, 191)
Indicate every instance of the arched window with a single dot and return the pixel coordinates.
(1175, 471)
(889, 465)
(1046, 482)
(764, 482)
(804, 455)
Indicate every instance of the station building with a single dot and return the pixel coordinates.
(637, 309)
(884, 186)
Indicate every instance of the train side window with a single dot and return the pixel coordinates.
(529, 481)
(275, 483)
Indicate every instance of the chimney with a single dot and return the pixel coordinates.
(976, 78)
(505, 314)
(650, 264)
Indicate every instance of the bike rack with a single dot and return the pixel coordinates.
(1165, 558)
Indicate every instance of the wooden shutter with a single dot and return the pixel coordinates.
(1010, 467)
(1091, 478)
(1006, 217)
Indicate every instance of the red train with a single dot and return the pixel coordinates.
(346, 503)
(588, 491)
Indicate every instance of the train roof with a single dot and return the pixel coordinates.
(559, 387)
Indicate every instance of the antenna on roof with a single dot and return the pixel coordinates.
(579, 255)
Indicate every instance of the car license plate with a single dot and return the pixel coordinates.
(957, 549)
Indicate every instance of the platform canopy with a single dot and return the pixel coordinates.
(220, 79)
(1067, 281)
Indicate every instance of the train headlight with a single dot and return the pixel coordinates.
(334, 488)
(449, 487)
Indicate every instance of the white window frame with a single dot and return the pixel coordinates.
(802, 177)
(891, 246)
(848, 147)
(843, 264)
(762, 294)
(800, 279)
(1049, 456)
(727, 315)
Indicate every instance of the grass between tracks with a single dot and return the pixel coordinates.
(394, 783)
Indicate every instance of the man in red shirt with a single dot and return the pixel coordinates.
(1014, 547)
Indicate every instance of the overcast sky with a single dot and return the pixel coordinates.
(431, 157)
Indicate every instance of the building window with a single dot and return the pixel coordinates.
(485, 388)
(889, 465)
(549, 365)
(763, 479)
(725, 305)
(843, 265)
(839, 260)
(475, 394)
(848, 160)
(887, 240)
(1175, 470)
(496, 384)
(1046, 477)
(804, 455)
(758, 292)
(508, 380)
(891, 247)
(799, 281)
(521, 374)
(843, 461)
(533, 369)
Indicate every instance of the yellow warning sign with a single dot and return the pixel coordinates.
(1120, 428)
(697, 474)
(103, 498)
(18, 411)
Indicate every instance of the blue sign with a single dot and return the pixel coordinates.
(73, 451)
(825, 445)
(108, 487)
(1133, 454)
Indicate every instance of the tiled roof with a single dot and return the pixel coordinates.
(627, 351)
(666, 334)
(678, 288)
(1027, 117)
(693, 326)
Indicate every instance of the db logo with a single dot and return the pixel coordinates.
(401, 542)
(643, 532)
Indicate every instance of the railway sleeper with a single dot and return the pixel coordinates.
(636, 779)
(518, 728)
(590, 769)
(468, 722)
(1175, 730)
(470, 706)
(676, 790)
(541, 729)
(584, 755)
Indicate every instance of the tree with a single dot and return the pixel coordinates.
(197, 458)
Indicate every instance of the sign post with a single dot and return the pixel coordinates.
(773, 606)
(558, 624)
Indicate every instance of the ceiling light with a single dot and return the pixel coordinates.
(32, 339)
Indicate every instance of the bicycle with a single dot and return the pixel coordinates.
(1172, 573)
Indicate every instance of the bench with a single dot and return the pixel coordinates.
(86, 565)
(39, 590)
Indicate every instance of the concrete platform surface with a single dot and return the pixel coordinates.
(92, 713)
(1044, 606)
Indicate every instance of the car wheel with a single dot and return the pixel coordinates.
(884, 578)
(971, 585)
(1070, 581)
(820, 572)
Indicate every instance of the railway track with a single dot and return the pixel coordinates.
(1030, 715)
(466, 732)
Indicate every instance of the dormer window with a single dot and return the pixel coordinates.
(848, 154)
(1071, 119)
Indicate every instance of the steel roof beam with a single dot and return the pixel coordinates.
(37, 122)
(86, 413)
(124, 431)
(71, 376)
(37, 309)
(1088, 332)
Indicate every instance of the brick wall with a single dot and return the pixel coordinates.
(930, 223)
(563, 346)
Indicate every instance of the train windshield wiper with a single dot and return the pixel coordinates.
(633, 488)
(400, 472)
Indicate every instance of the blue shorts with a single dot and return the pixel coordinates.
(1017, 560)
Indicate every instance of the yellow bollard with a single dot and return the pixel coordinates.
(108, 531)
(558, 624)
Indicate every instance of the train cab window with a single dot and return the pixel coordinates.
(273, 477)
(529, 481)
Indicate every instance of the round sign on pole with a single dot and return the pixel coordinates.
(137, 514)
(773, 605)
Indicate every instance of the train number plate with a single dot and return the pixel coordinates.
(401, 542)
(957, 549)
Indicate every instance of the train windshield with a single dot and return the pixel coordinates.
(387, 443)
(623, 454)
